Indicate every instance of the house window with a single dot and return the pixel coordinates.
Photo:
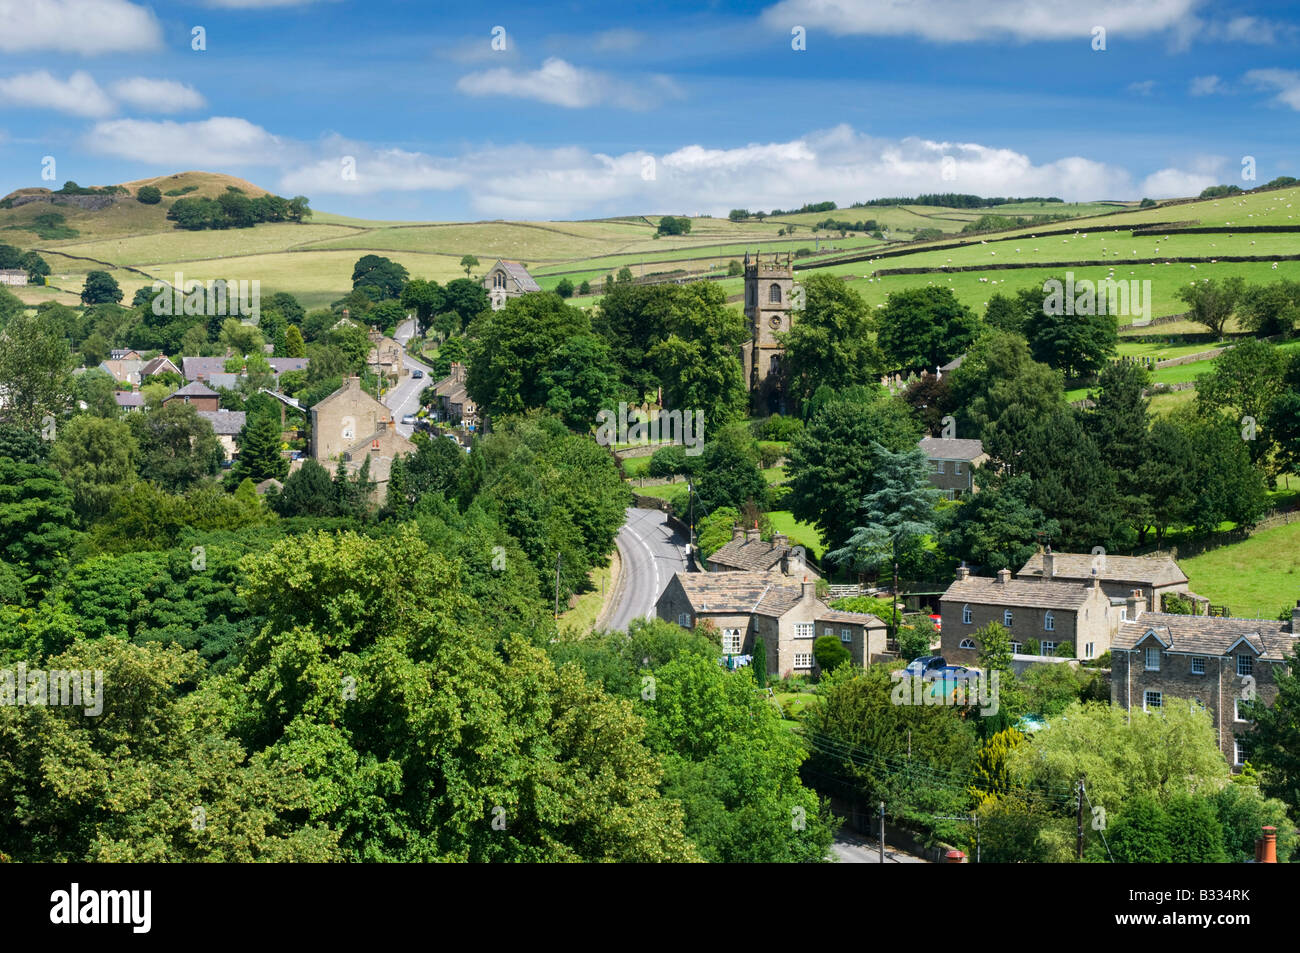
(956, 468)
(1153, 659)
(1006, 618)
(938, 466)
(965, 614)
(1197, 705)
(804, 630)
(967, 644)
(731, 641)
(1198, 664)
(1245, 665)
(1123, 614)
(774, 294)
(1240, 752)
(1087, 649)
(803, 660)
(684, 620)
(950, 494)
(1047, 648)
(846, 635)
(1049, 621)
(1152, 700)
(1016, 647)
(828, 630)
(1236, 711)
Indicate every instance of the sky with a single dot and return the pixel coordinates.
(416, 110)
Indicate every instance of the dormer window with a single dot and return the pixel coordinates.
(1245, 665)
(1152, 659)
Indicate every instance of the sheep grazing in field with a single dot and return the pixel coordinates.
(1275, 266)
(1193, 267)
(1252, 243)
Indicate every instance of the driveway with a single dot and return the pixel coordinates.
(405, 397)
(651, 551)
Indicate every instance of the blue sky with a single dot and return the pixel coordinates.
(407, 110)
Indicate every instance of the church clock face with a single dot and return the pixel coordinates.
(775, 321)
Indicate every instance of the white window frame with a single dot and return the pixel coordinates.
(1047, 648)
(1088, 649)
(1245, 665)
(967, 644)
(1148, 704)
(1198, 660)
(1123, 614)
(732, 637)
(1151, 653)
(828, 630)
(965, 615)
(1237, 753)
(805, 630)
(846, 636)
(1016, 647)
(1007, 618)
(938, 466)
(956, 468)
(684, 620)
(1049, 621)
(1236, 712)
(803, 660)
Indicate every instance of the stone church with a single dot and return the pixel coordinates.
(769, 289)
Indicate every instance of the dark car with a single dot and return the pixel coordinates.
(417, 373)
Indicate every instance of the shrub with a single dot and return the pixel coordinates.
(1031, 647)
(564, 288)
(148, 195)
(584, 288)
(1065, 650)
(769, 452)
(734, 268)
(830, 653)
(1175, 604)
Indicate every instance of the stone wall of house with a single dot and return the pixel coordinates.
(343, 418)
(1095, 622)
(1217, 689)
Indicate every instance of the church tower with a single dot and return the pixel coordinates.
(769, 286)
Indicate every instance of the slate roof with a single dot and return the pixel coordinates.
(939, 448)
(1149, 570)
(953, 364)
(520, 274)
(756, 593)
(282, 364)
(194, 367)
(1207, 635)
(850, 618)
(127, 398)
(120, 353)
(749, 556)
(1018, 593)
(194, 389)
(157, 366)
(225, 423)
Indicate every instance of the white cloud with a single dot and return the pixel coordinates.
(1206, 86)
(959, 21)
(1251, 30)
(560, 83)
(522, 181)
(260, 4)
(210, 143)
(77, 26)
(79, 94)
(158, 95)
(1285, 82)
(1143, 88)
(617, 41)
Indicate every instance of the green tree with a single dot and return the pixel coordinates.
(426, 298)
(384, 275)
(580, 380)
(96, 458)
(1077, 344)
(698, 359)
(469, 263)
(727, 473)
(996, 527)
(829, 653)
(259, 450)
(1245, 381)
(34, 371)
(148, 195)
(1213, 302)
(830, 342)
(564, 288)
(714, 530)
(37, 268)
(100, 287)
(1276, 738)
(177, 447)
(36, 518)
(293, 342)
(925, 328)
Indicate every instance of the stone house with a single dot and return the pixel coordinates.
(1211, 662)
(159, 365)
(1155, 575)
(129, 400)
(14, 277)
(506, 280)
(385, 358)
(352, 426)
(951, 464)
(772, 613)
(1050, 612)
(199, 394)
(453, 399)
(124, 370)
(748, 552)
(226, 424)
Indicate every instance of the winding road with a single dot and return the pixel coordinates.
(405, 397)
(651, 551)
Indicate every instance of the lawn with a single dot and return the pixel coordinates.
(1255, 578)
(803, 534)
(581, 619)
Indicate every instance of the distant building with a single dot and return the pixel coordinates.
(1119, 575)
(226, 424)
(352, 426)
(124, 371)
(198, 394)
(951, 463)
(1210, 662)
(453, 399)
(14, 277)
(159, 365)
(123, 354)
(749, 552)
(769, 293)
(129, 400)
(506, 280)
(764, 612)
(1049, 612)
(386, 357)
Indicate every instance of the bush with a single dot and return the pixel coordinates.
(1031, 647)
(148, 195)
(802, 252)
(830, 653)
(584, 288)
(1065, 650)
(670, 460)
(734, 268)
(565, 288)
(770, 452)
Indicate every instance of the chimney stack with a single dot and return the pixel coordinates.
(1266, 847)
(1004, 576)
(737, 532)
(1137, 604)
(753, 535)
(962, 573)
(780, 539)
(1049, 564)
(808, 590)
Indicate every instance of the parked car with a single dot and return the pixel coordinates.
(936, 667)
(409, 420)
(417, 373)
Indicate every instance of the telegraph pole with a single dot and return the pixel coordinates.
(1078, 850)
(558, 558)
(882, 832)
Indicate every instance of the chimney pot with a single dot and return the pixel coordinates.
(1268, 847)
(753, 535)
